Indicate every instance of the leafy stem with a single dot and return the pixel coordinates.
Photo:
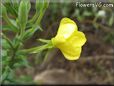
(49, 45)
(12, 59)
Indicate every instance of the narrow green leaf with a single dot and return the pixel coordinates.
(29, 33)
(35, 49)
(111, 20)
(17, 41)
(8, 40)
(39, 7)
(42, 11)
(12, 6)
(4, 53)
(5, 44)
(10, 22)
(5, 74)
(39, 48)
(44, 40)
(24, 9)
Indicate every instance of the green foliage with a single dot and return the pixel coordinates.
(9, 21)
(15, 15)
(24, 9)
(110, 38)
(12, 6)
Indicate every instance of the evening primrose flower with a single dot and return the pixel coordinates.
(69, 40)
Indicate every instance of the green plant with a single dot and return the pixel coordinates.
(15, 15)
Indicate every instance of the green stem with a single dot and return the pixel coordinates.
(41, 15)
(22, 32)
(11, 63)
(38, 49)
(35, 49)
(34, 18)
(12, 59)
(95, 19)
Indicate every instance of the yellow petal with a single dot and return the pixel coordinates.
(67, 27)
(71, 47)
(72, 53)
(77, 39)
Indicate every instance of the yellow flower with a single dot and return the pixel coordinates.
(69, 40)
